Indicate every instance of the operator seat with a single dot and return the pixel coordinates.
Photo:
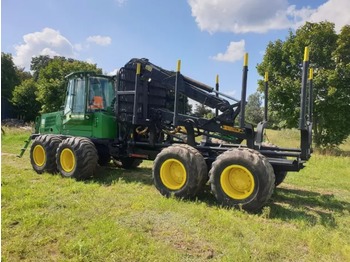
(97, 103)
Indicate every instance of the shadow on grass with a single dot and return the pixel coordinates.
(310, 207)
(107, 175)
(286, 204)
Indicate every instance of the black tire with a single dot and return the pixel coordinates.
(127, 162)
(179, 170)
(43, 153)
(103, 155)
(242, 178)
(76, 158)
(202, 172)
(280, 175)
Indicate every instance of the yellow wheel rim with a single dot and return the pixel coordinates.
(237, 182)
(173, 174)
(67, 160)
(39, 155)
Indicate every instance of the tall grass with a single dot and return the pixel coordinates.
(291, 138)
(120, 216)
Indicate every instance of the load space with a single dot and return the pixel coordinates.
(141, 114)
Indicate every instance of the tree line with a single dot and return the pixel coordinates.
(43, 89)
(330, 60)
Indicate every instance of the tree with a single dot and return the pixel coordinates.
(329, 57)
(184, 107)
(38, 63)
(24, 100)
(23, 75)
(203, 111)
(9, 77)
(52, 83)
(254, 113)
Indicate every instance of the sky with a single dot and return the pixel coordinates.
(209, 36)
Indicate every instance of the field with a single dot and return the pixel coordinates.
(120, 216)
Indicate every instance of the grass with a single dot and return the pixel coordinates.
(120, 216)
(290, 138)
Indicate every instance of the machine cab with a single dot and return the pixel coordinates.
(88, 92)
(89, 102)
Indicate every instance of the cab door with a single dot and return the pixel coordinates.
(75, 121)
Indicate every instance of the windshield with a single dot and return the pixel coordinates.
(101, 93)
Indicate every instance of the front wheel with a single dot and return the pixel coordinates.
(242, 178)
(76, 158)
(43, 153)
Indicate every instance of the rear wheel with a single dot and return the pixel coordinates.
(179, 170)
(280, 175)
(43, 153)
(77, 158)
(242, 177)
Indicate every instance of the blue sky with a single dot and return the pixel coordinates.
(209, 36)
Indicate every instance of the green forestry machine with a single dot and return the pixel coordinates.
(139, 114)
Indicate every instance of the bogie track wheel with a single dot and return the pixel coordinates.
(280, 175)
(179, 170)
(43, 153)
(242, 178)
(77, 158)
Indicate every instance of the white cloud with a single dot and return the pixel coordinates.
(99, 40)
(234, 52)
(121, 2)
(50, 42)
(240, 16)
(113, 72)
(78, 47)
(260, 16)
(336, 11)
(47, 42)
(90, 60)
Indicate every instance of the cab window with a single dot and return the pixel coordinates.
(79, 96)
(101, 93)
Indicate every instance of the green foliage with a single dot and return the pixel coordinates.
(9, 76)
(52, 83)
(184, 107)
(46, 88)
(329, 56)
(254, 113)
(23, 75)
(203, 111)
(24, 100)
(38, 63)
(119, 216)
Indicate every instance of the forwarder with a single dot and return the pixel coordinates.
(140, 114)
